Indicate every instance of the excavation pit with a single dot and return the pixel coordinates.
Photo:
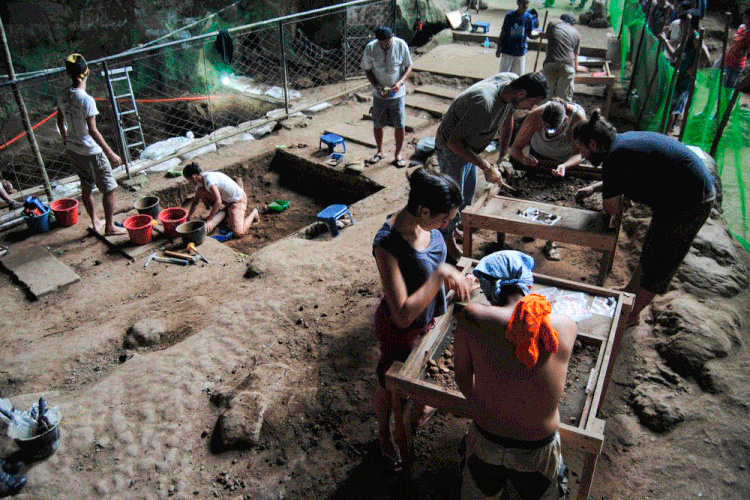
(281, 175)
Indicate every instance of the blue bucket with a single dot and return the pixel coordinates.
(38, 223)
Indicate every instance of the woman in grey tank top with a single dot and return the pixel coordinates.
(547, 131)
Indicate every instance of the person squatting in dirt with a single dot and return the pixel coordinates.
(511, 360)
(410, 254)
(215, 189)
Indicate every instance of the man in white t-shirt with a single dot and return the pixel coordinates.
(87, 149)
(216, 189)
(387, 64)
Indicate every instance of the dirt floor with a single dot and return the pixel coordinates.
(141, 422)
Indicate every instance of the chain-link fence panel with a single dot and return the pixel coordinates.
(171, 95)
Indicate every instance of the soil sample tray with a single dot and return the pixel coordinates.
(544, 221)
(427, 375)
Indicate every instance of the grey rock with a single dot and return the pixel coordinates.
(712, 379)
(713, 266)
(241, 423)
(144, 332)
(626, 429)
(135, 183)
(695, 332)
(657, 406)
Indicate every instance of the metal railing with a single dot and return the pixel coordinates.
(185, 85)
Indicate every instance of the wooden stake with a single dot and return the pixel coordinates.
(739, 87)
(24, 114)
(650, 86)
(539, 44)
(723, 62)
(677, 58)
(694, 70)
(637, 55)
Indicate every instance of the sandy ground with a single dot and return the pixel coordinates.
(140, 423)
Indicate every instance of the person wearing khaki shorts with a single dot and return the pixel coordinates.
(88, 151)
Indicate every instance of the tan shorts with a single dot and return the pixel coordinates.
(494, 467)
(94, 170)
(236, 215)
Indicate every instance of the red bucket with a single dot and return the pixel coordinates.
(171, 218)
(66, 211)
(139, 228)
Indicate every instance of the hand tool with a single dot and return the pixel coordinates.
(191, 248)
(170, 260)
(190, 258)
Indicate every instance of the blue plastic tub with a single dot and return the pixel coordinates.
(38, 223)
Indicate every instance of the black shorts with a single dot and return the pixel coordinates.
(667, 242)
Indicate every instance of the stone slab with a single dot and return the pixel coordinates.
(38, 270)
(437, 91)
(358, 134)
(432, 105)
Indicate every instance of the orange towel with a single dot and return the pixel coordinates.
(529, 324)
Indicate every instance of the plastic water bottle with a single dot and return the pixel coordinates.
(486, 44)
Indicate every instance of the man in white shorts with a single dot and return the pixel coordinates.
(216, 189)
(87, 149)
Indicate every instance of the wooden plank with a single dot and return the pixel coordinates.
(437, 91)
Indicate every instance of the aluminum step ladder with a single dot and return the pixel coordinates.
(125, 110)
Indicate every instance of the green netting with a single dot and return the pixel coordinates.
(706, 110)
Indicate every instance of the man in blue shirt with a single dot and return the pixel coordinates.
(512, 42)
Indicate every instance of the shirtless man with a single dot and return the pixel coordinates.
(511, 358)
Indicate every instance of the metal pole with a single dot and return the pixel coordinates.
(694, 69)
(124, 153)
(24, 114)
(283, 68)
(346, 42)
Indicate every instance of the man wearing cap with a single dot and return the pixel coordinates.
(561, 64)
(511, 358)
(387, 64)
(88, 151)
(478, 115)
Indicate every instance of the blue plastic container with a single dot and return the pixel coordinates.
(38, 223)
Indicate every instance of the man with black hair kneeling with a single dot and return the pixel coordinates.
(511, 358)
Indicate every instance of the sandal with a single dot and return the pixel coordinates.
(375, 159)
(390, 464)
(3, 251)
(399, 162)
(551, 251)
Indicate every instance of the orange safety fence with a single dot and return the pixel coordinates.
(170, 99)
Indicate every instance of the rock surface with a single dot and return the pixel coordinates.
(657, 407)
